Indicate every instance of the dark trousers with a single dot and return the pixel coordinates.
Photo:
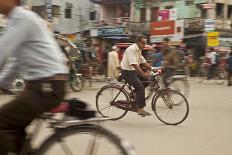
(132, 78)
(211, 71)
(39, 97)
(229, 77)
(168, 72)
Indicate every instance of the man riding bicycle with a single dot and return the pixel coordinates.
(170, 60)
(133, 74)
(41, 64)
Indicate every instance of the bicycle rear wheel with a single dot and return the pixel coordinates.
(167, 108)
(85, 140)
(105, 104)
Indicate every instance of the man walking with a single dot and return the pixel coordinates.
(41, 64)
(214, 61)
(113, 64)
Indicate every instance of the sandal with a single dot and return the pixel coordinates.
(144, 113)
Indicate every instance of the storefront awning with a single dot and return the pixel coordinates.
(110, 1)
(117, 37)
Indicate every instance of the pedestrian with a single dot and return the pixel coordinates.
(170, 60)
(41, 64)
(214, 61)
(113, 64)
(105, 53)
(229, 68)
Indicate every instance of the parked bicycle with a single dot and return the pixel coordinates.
(170, 106)
(81, 135)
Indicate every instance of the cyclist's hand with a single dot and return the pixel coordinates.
(146, 75)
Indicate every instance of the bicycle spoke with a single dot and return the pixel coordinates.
(65, 147)
(92, 147)
(106, 107)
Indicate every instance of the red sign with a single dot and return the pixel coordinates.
(163, 28)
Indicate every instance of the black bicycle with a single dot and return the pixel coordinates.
(77, 133)
(171, 107)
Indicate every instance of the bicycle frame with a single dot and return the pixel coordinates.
(130, 88)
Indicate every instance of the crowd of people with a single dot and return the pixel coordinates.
(176, 57)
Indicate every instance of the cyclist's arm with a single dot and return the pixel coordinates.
(13, 38)
(147, 65)
(139, 70)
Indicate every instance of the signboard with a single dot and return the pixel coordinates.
(163, 28)
(174, 33)
(209, 25)
(212, 39)
(111, 31)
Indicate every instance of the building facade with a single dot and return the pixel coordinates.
(68, 16)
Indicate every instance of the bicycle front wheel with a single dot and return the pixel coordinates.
(85, 140)
(167, 108)
(106, 99)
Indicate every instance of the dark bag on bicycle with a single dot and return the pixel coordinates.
(80, 109)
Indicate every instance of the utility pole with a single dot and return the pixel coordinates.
(49, 16)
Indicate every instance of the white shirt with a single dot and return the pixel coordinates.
(212, 57)
(28, 39)
(132, 55)
(113, 60)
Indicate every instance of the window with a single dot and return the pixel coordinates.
(55, 10)
(68, 13)
(92, 15)
(219, 10)
(229, 16)
(203, 13)
(154, 14)
(40, 10)
(168, 7)
(189, 2)
(143, 15)
(68, 10)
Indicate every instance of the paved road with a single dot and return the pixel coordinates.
(207, 130)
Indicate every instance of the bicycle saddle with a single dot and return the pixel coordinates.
(75, 108)
(80, 109)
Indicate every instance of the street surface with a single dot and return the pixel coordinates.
(207, 130)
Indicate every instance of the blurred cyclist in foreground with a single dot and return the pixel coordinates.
(42, 66)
